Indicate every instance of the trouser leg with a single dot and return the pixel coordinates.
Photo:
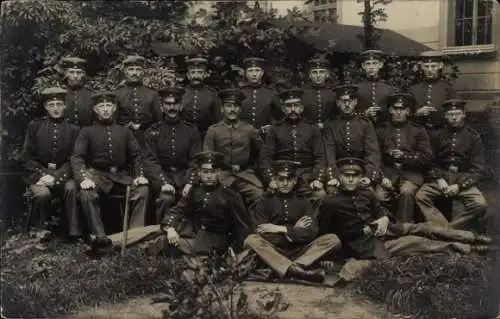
(40, 205)
(411, 244)
(249, 191)
(425, 198)
(138, 199)
(431, 231)
(268, 254)
(474, 207)
(89, 199)
(70, 198)
(405, 211)
(163, 204)
(318, 248)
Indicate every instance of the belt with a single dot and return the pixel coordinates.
(173, 169)
(110, 169)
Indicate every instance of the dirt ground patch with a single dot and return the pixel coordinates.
(304, 302)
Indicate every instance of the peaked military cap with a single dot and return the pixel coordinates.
(371, 55)
(134, 60)
(210, 157)
(254, 62)
(348, 89)
(197, 61)
(318, 63)
(401, 99)
(171, 94)
(232, 95)
(291, 94)
(432, 56)
(454, 104)
(54, 93)
(103, 96)
(73, 62)
(285, 167)
(351, 164)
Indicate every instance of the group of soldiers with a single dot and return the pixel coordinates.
(291, 176)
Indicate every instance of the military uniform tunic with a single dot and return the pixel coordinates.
(374, 93)
(319, 104)
(201, 106)
(352, 136)
(47, 149)
(261, 106)
(296, 141)
(79, 106)
(138, 104)
(432, 93)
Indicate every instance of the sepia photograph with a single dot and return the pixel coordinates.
(278, 159)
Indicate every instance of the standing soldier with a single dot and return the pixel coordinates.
(138, 105)
(100, 163)
(171, 145)
(79, 97)
(373, 91)
(47, 149)
(240, 143)
(261, 106)
(433, 91)
(458, 166)
(406, 154)
(351, 136)
(319, 97)
(286, 228)
(200, 104)
(297, 140)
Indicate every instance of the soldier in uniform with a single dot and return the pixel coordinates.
(240, 143)
(406, 154)
(457, 167)
(350, 135)
(47, 149)
(295, 139)
(100, 161)
(171, 145)
(286, 229)
(138, 105)
(319, 97)
(79, 97)
(212, 218)
(373, 91)
(433, 91)
(200, 103)
(261, 106)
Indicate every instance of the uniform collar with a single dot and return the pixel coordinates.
(168, 120)
(105, 122)
(235, 124)
(372, 79)
(56, 120)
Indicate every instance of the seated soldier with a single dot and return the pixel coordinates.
(295, 139)
(100, 161)
(286, 227)
(212, 218)
(170, 146)
(351, 135)
(355, 215)
(46, 152)
(457, 167)
(406, 153)
(240, 143)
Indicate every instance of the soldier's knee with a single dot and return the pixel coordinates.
(408, 189)
(251, 239)
(41, 192)
(331, 239)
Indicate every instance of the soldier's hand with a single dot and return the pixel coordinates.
(372, 111)
(235, 168)
(264, 129)
(382, 224)
(172, 236)
(186, 190)
(333, 182)
(141, 180)
(167, 188)
(365, 182)
(273, 185)
(397, 153)
(270, 228)
(423, 111)
(47, 180)
(87, 184)
(304, 222)
(443, 185)
(452, 190)
(386, 183)
(316, 185)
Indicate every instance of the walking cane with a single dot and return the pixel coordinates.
(125, 220)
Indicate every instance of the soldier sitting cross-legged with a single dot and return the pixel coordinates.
(285, 225)
(100, 161)
(171, 145)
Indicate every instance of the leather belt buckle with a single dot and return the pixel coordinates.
(52, 166)
(173, 169)
(113, 169)
(453, 168)
(320, 125)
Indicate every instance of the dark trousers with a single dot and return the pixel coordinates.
(89, 199)
(41, 204)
